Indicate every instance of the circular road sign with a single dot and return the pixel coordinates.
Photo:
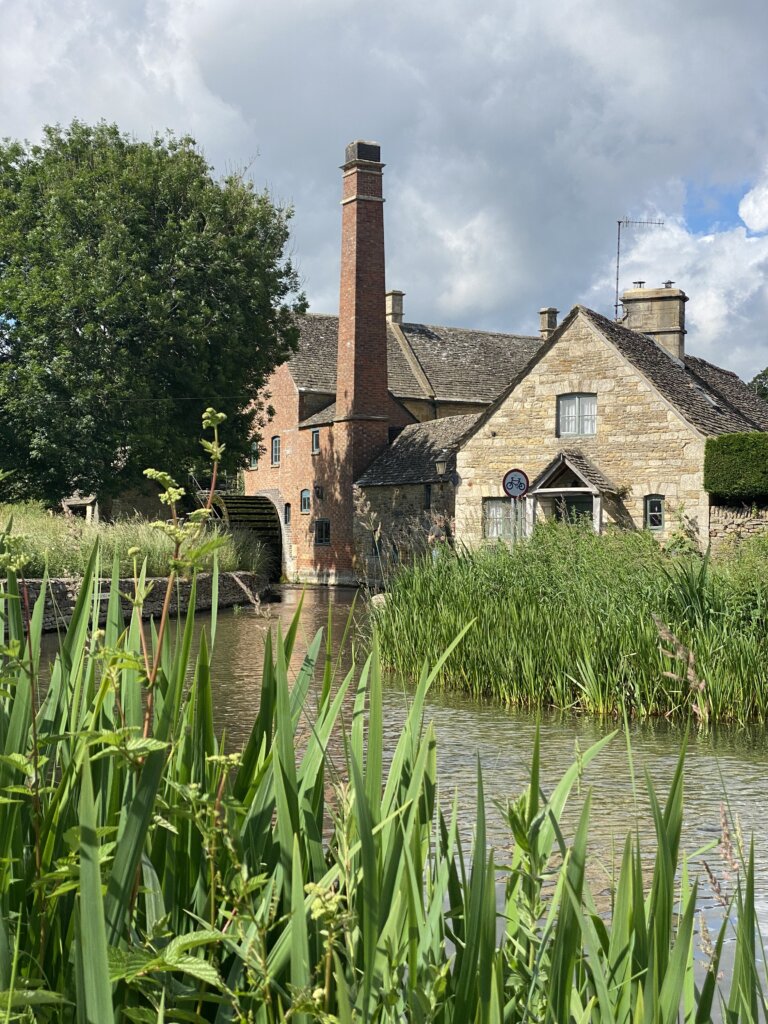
(515, 483)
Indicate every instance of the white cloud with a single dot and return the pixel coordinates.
(515, 134)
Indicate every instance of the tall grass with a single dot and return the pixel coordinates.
(597, 624)
(61, 545)
(148, 874)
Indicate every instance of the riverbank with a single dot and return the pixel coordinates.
(60, 545)
(595, 624)
(234, 588)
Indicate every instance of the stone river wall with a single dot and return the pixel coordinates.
(234, 588)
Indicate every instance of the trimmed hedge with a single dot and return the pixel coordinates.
(736, 466)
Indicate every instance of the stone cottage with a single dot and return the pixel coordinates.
(608, 420)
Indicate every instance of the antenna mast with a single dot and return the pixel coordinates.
(625, 222)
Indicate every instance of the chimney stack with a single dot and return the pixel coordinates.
(547, 321)
(394, 307)
(659, 313)
(361, 375)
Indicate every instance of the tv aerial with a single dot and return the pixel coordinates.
(626, 222)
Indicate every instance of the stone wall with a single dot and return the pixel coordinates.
(404, 524)
(729, 523)
(642, 444)
(234, 588)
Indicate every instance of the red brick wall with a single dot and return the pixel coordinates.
(364, 408)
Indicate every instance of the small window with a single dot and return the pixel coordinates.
(254, 458)
(576, 415)
(315, 440)
(427, 497)
(654, 511)
(275, 451)
(305, 502)
(498, 519)
(322, 531)
(287, 514)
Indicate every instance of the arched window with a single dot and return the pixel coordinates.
(287, 514)
(305, 502)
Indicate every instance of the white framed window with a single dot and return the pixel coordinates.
(315, 440)
(305, 502)
(654, 511)
(576, 415)
(254, 459)
(499, 518)
(276, 451)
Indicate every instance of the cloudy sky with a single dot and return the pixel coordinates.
(515, 132)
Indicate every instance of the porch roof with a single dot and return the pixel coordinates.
(575, 460)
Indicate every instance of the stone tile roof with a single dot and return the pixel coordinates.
(732, 388)
(410, 459)
(577, 461)
(467, 365)
(323, 418)
(713, 400)
(460, 365)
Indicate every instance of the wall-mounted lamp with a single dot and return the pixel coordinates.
(319, 492)
(440, 466)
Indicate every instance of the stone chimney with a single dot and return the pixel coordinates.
(659, 313)
(361, 377)
(547, 321)
(394, 307)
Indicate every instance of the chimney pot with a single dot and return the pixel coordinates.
(638, 284)
(668, 284)
(360, 150)
(547, 321)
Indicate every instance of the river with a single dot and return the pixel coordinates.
(723, 765)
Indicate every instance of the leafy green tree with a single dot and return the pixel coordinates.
(760, 384)
(135, 290)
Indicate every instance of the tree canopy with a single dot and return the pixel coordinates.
(760, 384)
(135, 290)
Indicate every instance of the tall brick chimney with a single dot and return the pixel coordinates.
(659, 313)
(361, 376)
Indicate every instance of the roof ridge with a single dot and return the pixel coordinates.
(471, 330)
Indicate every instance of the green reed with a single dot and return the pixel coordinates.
(595, 624)
(149, 874)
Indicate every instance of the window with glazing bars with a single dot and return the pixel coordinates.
(576, 414)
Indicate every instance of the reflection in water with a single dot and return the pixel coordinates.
(722, 764)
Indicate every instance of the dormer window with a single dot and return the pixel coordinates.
(576, 415)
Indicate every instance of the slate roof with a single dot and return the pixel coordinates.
(410, 459)
(460, 365)
(576, 460)
(323, 418)
(713, 400)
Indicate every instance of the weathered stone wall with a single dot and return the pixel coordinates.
(642, 444)
(234, 588)
(728, 523)
(404, 522)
